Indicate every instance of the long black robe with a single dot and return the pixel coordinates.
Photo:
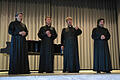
(46, 49)
(18, 51)
(70, 42)
(102, 60)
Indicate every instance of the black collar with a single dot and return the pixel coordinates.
(70, 26)
(100, 26)
(48, 26)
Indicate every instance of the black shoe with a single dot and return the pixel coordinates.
(64, 71)
(76, 71)
(98, 72)
(108, 72)
(70, 72)
(49, 72)
(40, 71)
(73, 72)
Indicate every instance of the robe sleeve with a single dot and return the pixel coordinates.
(54, 34)
(107, 35)
(11, 29)
(78, 32)
(26, 31)
(62, 37)
(42, 33)
(95, 35)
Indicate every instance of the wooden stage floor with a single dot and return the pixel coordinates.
(58, 75)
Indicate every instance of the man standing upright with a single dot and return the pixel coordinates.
(69, 46)
(102, 60)
(47, 34)
(18, 51)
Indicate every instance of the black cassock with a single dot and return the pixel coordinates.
(70, 42)
(18, 51)
(102, 60)
(46, 49)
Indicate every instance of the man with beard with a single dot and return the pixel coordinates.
(102, 60)
(18, 51)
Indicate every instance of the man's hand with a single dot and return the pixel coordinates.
(23, 33)
(47, 32)
(102, 37)
(62, 47)
(76, 28)
(49, 35)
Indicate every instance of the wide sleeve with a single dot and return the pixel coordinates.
(95, 35)
(107, 35)
(54, 34)
(42, 33)
(62, 37)
(11, 29)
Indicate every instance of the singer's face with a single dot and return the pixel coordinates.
(101, 23)
(48, 20)
(19, 17)
(69, 22)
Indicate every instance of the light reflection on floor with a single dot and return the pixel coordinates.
(35, 73)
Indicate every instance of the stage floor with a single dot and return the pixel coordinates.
(58, 75)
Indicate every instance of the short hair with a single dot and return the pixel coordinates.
(98, 21)
(47, 17)
(68, 18)
(16, 15)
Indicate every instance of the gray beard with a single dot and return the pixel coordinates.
(101, 25)
(18, 20)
